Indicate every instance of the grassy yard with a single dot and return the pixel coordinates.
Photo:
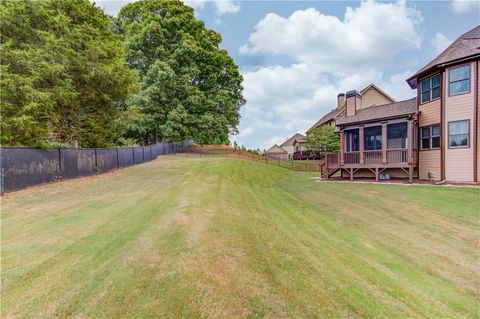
(222, 238)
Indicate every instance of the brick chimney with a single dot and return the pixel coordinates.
(354, 102)
(340, 99)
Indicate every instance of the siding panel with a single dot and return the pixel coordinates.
(459, 161)
(429, 162)
(478, 121)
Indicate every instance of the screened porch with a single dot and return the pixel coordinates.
(385, 144)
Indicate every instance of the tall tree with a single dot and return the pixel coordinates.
(64, 76)
(190, 87)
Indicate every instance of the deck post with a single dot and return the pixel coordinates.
(384, 143)
(351, 174)
(410, 142)
(376, 174)
(410, 174)
(361, 145)
(342, 140)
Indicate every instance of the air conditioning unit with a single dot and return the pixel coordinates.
(431, 175)
(384, 176)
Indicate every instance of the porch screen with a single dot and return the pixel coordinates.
(351, 140)
(373, 138)
(397, 135)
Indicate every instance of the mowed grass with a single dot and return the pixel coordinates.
(229, 238)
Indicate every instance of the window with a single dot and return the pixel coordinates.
(373, 138)
(458, 133)
(351, 140)
(430, 88)
(425, 133)
(459, 80)
(430, 137)
(435, 133)
(397, 135)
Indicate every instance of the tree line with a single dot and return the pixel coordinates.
(74, 76)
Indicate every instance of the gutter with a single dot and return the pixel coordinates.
(439, 66)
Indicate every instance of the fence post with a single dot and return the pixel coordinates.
(96, 162)
(118, 165)
(1, 171)
(60, 164)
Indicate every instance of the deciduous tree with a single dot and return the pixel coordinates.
(323, 139)
(191, 88)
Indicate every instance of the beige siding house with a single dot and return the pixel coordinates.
(290, 147)
(448, 107)
(434, 136)
(277, 153)
(372, 95)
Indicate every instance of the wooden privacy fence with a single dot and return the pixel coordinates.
(22, 167)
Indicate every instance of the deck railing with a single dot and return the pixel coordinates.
(333, 158)
(373, 157)
(351, 157)
(397, 156)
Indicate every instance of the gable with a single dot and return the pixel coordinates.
(372, 95)
(276, 149)
(292, 139)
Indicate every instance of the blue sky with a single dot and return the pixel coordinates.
(296, 56)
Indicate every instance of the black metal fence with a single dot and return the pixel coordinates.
(22, 167)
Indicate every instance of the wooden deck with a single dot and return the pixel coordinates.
(375, 161)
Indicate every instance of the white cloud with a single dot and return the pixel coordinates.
(221, 6)
(440, 42)
(367, 36)
(464, 6)
(112, 7)
(290, 99)
(226, 6)
(331, 56)
(195, 4)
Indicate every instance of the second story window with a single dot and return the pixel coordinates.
(430, 88)
(459, 80)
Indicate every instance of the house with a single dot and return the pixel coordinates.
(433, 136)
(449, 112)
(289, 146)
(299, 144)
(375, 141)
(371, 95)
(276, 153)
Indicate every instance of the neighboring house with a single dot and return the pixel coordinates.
(299, 144)
(449, 112)
(289, 146)
(433, 136)
(277, 153)
(371, 95)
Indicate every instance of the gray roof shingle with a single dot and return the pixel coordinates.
(467, 45)
(375, 113)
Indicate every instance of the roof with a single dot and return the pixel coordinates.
(289, 142)
(327, 117)
(337, 111)
(375, 113)
(466, 46)
(379, 90)
(277, 148)
(299, 140)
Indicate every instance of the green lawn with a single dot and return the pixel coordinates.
(222, 238)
